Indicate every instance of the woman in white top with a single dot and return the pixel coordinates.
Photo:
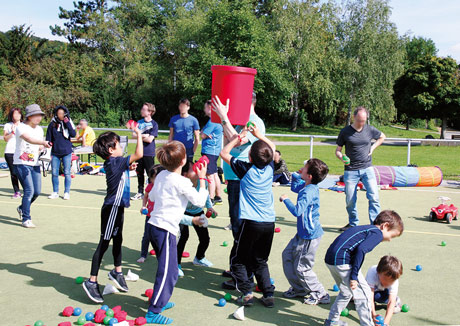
(29, 142)
(14, 119)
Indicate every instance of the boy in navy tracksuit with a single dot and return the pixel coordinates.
(299, 255)
(253, 242)
(345, 257)
(117, 169)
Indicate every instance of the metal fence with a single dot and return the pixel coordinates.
(409, 141)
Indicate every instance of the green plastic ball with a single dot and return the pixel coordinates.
(79, 280)
(81, 320)
(228, 296)
(225, 244)
(405, 308)
(39, 323)
(107, 320)
(109, 313)
(345, 312)
(225, 190)
(443, 243)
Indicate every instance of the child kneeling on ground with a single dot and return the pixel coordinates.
(170, 194)
(345, 257)
(257, 214)
(383, 280)
(299, 255)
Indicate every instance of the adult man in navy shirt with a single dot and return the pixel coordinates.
(357, 139)
(185, 128)
(149, 130)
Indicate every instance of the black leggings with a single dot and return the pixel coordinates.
(146, 163)
(203, 237)
(111, 228)
(14, 178)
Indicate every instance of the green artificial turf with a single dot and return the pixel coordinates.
(38, 266)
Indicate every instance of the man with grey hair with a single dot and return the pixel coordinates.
(357, 139)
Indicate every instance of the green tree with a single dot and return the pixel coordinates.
(373, 55)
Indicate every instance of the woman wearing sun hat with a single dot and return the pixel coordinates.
(29, 142)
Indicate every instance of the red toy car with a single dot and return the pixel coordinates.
(444, 211)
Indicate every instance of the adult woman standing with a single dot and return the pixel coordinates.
(60, 130)
(29, 140)
(14, 119)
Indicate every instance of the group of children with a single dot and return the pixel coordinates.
(176, 197)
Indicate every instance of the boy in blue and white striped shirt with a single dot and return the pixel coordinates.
(345, 257)
(299, 255)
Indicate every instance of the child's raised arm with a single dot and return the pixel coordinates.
(139, 153)
(256, 132)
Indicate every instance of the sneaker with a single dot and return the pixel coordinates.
(329, 322)
(226, 274)
(92, 290)
(346, 227)
(16, 195)
(53, 195)
(180, 271)
(228, 285)
(19, 210)
(28, 224)
(119, 280)
(202, 262)
(291, 293)
(246, 300)
(228, 227)
(66, 196)
(217, 200)
(141, 260)
(398, 306)
(268, 302)
(311, 300)
(275, 184)
(138, 196)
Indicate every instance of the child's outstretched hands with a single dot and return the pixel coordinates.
(213, 211)
(201, 170)
(283, 198)
(219, 108)
(254, 130)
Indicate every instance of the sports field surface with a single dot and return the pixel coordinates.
(38, 266)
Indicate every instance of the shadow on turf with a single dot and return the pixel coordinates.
(10, 220)
(6, 192)
(86, 191)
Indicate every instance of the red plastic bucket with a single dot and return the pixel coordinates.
(236, 84)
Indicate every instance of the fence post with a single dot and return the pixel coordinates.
(408, 151)
(311, 146)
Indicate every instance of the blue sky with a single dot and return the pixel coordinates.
(435, 19)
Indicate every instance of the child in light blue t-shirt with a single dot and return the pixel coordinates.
(254, 239)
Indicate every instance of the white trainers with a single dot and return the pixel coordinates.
(141, 260)
(53, 195)
(137, 196)
(28, 224)
(202, 262)
(180, 271)
(66, 196)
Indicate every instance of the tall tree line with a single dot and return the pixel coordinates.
(316, 60)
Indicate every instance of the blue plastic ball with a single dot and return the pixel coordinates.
(77, 312)
(272, 281)
(418, 268)
(222, 302)
(113, 321)
(335, 288)
(105, 307)
(379, 318)
(377, 296)
(89, 316)
(145, 211)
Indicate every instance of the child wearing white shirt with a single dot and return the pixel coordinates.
(383, 281)
(171, 193)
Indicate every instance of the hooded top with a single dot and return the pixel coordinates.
(59, 133)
